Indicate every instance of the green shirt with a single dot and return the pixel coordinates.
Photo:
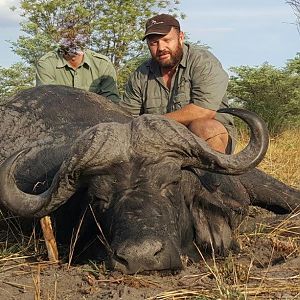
(199, 79)
(96, 73)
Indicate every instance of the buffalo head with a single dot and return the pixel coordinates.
(150, 185)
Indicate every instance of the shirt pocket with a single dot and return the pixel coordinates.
(154, 106)
(181, 100)
(183, 95)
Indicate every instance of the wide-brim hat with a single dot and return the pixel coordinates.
(160, 24)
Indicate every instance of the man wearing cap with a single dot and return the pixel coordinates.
(182, 82)
(73, 66)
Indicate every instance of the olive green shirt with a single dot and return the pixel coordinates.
(199, 79)
(96, 73)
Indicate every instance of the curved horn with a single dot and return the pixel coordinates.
(100, 146)
(24, 204)
(8, 194)
(173, 139)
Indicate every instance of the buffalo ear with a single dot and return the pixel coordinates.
(213, 234)
(216, 215)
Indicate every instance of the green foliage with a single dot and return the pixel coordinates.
(14, 79)
(293, 65)
(115, 27)
(270, 92)
(42, 23)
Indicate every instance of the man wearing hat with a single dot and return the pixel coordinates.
(182, 82)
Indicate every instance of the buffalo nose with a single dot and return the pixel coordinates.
(132, 257)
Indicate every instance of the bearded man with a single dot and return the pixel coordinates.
(183, 82)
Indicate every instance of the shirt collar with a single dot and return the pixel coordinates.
(61, 63)
(183, 61)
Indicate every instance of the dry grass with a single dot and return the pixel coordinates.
(282, 160)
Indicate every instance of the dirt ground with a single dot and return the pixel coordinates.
(267, 267)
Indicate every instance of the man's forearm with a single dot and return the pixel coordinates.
(189, 113)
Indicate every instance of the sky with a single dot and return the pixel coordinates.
(238, 32)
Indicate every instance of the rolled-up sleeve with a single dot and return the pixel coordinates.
(209, 83)
(132, 99)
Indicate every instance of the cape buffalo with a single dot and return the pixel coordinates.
(152, 189)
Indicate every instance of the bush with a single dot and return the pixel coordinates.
(272, 93)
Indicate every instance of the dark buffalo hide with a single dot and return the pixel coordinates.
(147, 189)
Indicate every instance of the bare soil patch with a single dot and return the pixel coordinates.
(267, 267)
